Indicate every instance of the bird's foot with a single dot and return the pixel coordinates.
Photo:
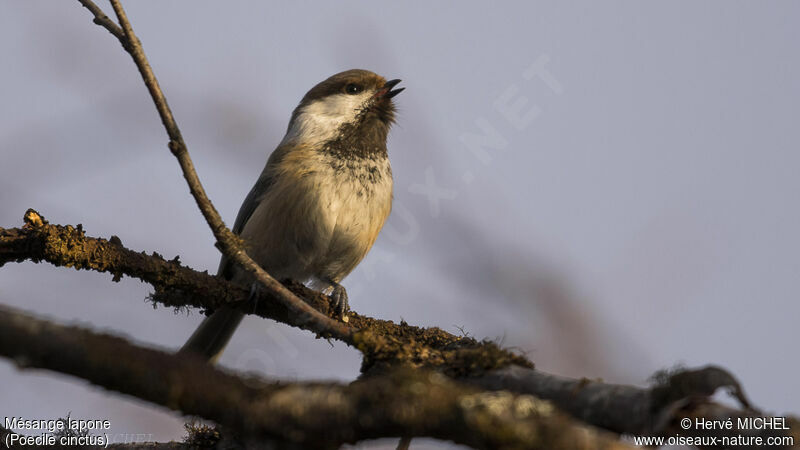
(339, 302)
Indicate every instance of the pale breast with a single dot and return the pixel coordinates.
(320, 216)
(358, 199)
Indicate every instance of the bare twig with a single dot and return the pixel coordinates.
(100, 18)
(227, 241)
(319, 415)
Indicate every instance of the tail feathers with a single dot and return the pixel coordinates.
(213, 334)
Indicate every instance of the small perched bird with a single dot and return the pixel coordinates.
(320, 202)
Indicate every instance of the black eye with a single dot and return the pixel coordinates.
(353, 88)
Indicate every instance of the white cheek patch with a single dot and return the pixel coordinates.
(320, 120)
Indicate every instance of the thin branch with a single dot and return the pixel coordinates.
(312, 414)
(137, 53)
(228, 242)
(100, 18)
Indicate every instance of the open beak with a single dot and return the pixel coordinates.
(387, 92)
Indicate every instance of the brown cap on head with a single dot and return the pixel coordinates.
(337, 84)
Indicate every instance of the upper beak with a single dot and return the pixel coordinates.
(387, 92)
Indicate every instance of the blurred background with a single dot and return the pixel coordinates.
(610, 188)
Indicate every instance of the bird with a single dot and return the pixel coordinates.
(320, 201)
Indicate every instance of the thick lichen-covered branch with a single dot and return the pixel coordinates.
(403, 402)
(382, 342)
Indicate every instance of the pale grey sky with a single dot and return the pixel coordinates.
(634, 208)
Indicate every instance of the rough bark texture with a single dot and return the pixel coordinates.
(382, 342)
(653, 411)
(322, 415)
